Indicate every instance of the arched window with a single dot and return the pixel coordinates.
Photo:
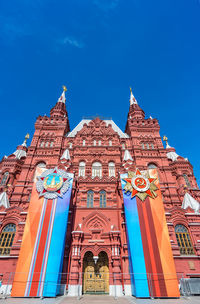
(94, 142)
(96, 169)
(6, 239)
(186, 180)
(148, 146)
(152, 146)
(70, 145)
(82, 168)
(84, 142)
(4, 179)
(46, 144)
(99, 142)
(90, 199)
(123, 146)
(42, 144)
(51, 144)
(110, 143)
(183, 240)
(152, 166)
(41, 165)
(143, 147)
(102, 201)
(111, 169)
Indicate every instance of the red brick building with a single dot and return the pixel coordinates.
(97, 151)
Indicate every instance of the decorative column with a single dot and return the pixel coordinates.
(116, 289)
(75, 276)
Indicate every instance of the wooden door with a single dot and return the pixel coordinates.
(96, 276)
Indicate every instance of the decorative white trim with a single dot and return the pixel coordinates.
(127, 290)
(5, 289)
(74, 290)
(107, 121)
(115, 290)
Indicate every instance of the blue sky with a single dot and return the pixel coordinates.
(98, 48)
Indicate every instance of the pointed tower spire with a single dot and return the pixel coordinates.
(135, 112)
(171, 152)
(62, 98)
(22, 149)
(132, 98)
(59, 110)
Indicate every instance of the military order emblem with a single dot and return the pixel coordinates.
(53, 183)
(140, 185)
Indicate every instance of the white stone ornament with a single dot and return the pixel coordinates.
(53, 183)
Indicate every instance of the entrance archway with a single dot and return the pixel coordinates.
(95, 273)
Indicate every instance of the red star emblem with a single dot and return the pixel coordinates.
(140, 185)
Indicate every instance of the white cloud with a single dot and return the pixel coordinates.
(72, 41)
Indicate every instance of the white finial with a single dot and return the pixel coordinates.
(150, 117)
(132, 98)
(62, 97)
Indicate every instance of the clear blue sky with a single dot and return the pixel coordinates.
(98, 48)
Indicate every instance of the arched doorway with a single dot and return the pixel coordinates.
(95, 273)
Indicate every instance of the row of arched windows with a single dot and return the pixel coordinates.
(46, 144)
(147, 146)
(182, 235)
(90, 199)
(97, 169)
(97, 142)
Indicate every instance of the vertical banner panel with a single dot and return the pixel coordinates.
(149, 244)
(42, 250)
(136, 255)
(28, 240)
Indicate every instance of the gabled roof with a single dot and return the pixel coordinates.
(107, 122)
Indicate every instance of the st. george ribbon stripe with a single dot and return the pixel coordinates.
(157, 278)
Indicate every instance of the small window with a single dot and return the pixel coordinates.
(183, 240)
(152, 146)
(46, 144)
(143, 147)
(111, 169)
(147, 146)
(82, 169)
(152, 166)
(51, 144)
(186, 180)
(41, 165)
(84, 142)
(99, 142)
(110, 143)
(123, 146)
(102, 202)
(6, 239)
(70, 145)
(90, 198)
(96, 169)
(94, 143)
(4, 179)
(42, 144)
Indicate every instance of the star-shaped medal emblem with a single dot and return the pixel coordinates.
(140, 185)
(53, 183)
